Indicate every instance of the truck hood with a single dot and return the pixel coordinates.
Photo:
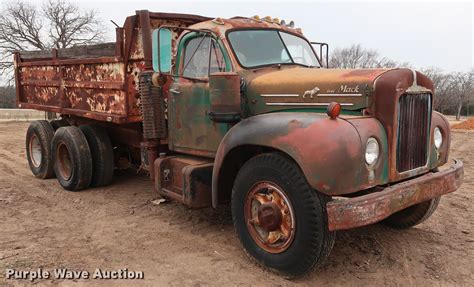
(310, 88)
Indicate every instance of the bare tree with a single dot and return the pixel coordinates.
(57, 24)
(70, 27)
(356, 56)
(444, 88)
(463, 92)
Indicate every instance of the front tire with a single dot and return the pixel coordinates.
(280, 220)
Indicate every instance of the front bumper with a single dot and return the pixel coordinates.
(373, 207)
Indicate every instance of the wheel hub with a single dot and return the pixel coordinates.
(35, 151)
(63, 161)
(270, 217)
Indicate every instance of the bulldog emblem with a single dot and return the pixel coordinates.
(311, 93)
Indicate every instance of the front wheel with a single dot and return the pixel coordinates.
(280, 220)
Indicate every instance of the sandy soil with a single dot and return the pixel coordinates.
(118, 226)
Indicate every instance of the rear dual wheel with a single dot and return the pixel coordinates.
(72, 158)
(79, 157)
(102, 155)
(38, 149)
(83, 157)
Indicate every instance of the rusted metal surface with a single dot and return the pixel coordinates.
(225, 99)
(303, 88)
(149, 150)
(270, 217)
(329, 152)
(373, 207)
(184, 179)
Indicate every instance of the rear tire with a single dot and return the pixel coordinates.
(412, 215)
(274, 176)
(38, 149)
(102, 155)
(72, 158)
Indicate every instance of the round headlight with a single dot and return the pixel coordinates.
(372, 151)
(437, 137)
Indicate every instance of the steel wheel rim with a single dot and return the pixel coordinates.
(64, 161)
(36, 153)
(269, 217)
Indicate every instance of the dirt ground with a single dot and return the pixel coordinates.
(43, 226)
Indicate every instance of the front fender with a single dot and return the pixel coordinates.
(328, 151)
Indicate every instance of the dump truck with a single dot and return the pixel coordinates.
(242, 112)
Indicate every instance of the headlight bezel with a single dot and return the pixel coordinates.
(437, 138)
(372, 157)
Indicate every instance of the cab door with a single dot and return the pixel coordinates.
(190, 128)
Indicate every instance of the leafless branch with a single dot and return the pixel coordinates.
(68, 26)
(356, 56)
(57, 24)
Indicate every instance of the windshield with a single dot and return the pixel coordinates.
(255, 48)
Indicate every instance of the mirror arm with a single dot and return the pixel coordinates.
(321, 45)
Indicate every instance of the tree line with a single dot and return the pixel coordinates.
(61, 24)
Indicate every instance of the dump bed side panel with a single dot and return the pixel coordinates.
(93, 88)
(98, 82)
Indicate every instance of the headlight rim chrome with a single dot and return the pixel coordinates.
(436, 138)
(368, 161)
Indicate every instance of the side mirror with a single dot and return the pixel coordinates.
(225, 97)
(162, 50)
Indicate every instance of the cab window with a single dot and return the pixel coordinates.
(197, 52)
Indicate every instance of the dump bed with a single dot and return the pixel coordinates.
(98, 81)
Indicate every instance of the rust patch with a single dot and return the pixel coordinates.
(373, 207)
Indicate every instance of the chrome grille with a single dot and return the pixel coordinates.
(414, 117)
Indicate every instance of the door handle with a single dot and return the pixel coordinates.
(175, 91)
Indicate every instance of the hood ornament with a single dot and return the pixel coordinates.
(311, 93)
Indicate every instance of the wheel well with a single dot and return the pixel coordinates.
(231, 165)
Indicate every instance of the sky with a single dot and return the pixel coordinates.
(425, 34)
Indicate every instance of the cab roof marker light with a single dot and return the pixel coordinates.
(256, 18)
(268, 19)
(218, 21)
